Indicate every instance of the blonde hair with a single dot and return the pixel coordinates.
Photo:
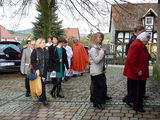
(38, 42)
(92, 40)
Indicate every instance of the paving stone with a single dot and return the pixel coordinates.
(133, 118)
(149, 116)
(95, 118)
(114, 118)
(108, 114)
(124, 111)
(100, 114)
(118, 114)
(137, 115)
(59, 116)
(68, 117)
(125, 118)
(87, 118)
(115, 111)
(59, 113)
(142, 118)
(128, 115)
(103, 118)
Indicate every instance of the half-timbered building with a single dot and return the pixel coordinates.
(124, 17)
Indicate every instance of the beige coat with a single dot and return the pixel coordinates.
(96, 56)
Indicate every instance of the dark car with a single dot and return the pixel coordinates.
(10, 56)
(86, 48)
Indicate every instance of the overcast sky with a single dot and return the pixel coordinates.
(13, 23)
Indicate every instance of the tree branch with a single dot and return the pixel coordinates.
(83, 15)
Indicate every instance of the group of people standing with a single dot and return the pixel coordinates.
(53, 56)
(58, 56)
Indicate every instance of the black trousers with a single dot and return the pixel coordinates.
(136, 91)
(27, 84)
(99, 90)
(105, 83)
(43, 96)
(93, 83)
(131, 89)
(56, 85)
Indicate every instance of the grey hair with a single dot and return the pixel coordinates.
(144, 36)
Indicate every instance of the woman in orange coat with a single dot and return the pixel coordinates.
(136, 67)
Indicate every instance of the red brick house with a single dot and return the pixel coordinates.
(72, 33)
(4, 34)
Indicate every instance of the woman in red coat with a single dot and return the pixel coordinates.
(136, 68)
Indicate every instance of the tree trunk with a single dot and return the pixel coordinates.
(158, 33)
(46, 13)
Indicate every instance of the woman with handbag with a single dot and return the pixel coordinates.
(57, 60)
(39, 61)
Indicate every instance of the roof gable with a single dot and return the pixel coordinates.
(5, 35)
(152, 11)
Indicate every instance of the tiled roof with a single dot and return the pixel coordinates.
(72, 33)
(127, 16)
(5, 34)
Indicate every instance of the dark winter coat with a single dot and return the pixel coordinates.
(54, 60)
(39, 60)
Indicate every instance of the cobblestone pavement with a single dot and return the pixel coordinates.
(76, 105)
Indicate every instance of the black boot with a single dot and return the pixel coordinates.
(91, 99)
(45, 102)
(138, 107)
(99, 106)
(125, 100)
(108, 98)
(53, 92)
(27, 94)
(58, 92)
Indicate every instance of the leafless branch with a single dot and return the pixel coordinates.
(83, 15)
(86, 10)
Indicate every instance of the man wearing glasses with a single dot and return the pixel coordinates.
(25, 64)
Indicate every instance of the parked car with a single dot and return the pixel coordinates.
(86, 48)
(10, 56)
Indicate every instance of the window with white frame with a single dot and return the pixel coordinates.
(149, 20)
